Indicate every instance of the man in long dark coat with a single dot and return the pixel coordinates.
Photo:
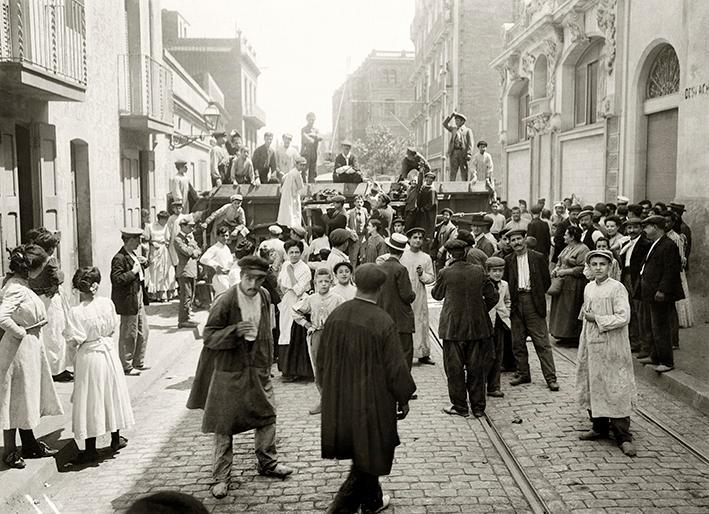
(466, 330)
(365, 381)
(233, 378)
(397, 295)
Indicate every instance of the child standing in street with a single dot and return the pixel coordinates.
(343, 277)
(312, 311)
(500, 318)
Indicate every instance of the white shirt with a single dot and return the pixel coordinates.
(523, 281)
(218, 256)
(482, 164)
(627, 250)
(652, 247)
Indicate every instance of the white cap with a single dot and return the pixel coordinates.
(275, 230)
(623, 199)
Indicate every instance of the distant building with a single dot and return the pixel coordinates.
(377, 93)
(231, 63)
(455, 40)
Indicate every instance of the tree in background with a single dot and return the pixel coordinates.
(381, 152)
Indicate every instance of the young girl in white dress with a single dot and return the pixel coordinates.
(101, 402)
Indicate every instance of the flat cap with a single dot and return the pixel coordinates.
(398, 219)
(414, 230)
(480, 220)
(299, 159)
(176, 202)
(339, 236)
(599, 253)
(482, 142)
(495, 262)
(234, 133)
(411, 149)
(337, 199)
(677, 207)
(340, 264)
(287, 136)
(219, 133)
(369, 277)
(180, 162)
(430, 174)
(299, 230)
(623, 199)
(516, 232)
(633, 220)
(657, 220)
(254, 265)
(465, 236)
(275, 230)
(455, 244)
(397, 242)
(234, 198)
(132, 231)
(185, 219)
(575, 208)
(461, 116)
(346, 142)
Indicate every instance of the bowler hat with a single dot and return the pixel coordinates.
(480, 220)
(397, 242)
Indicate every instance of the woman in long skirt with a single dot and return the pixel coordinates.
(294, 282)
(564, 324)
(101, 403)
(26, 388)
(161, 273)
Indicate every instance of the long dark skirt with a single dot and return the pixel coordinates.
(294, 359)
(564, 322)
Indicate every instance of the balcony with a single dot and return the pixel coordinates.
(145, 94)
(43, 49)
(255, 115)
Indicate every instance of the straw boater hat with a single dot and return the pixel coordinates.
(586, 212)
(131, 231)
(397, 242)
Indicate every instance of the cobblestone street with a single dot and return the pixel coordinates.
(443, 465)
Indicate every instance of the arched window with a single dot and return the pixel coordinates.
(586, 86)
(663, 78)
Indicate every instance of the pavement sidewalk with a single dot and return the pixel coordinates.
(166, 344)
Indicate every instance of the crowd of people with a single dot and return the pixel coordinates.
(344, 303)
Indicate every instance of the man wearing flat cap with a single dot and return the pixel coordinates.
(445, 231)
(127, 277)
(482, 167)
(479, 224)
(659, 288)
(219, 159)
(413, 161)
(231, 215)
(335, 217)
(346, 169)
(631, 255)
(424, 214)
(466, 331)
(187, 254)
(397, 295)
(340, 241)
(180, 185)
(264, 161)
(590, 233)
(232, 383)
(460, 146)
(366, 386)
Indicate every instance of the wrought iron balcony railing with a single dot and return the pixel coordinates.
(145, 89)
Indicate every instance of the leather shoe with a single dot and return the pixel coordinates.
(143, 368)
(553, 386)
(496, 393)
(386, 500)
(39, 451)
(592, 435)
(64, 376)
(316, 410)
(520, 380)
(119, 445)
(478, 413)
(14, 460)
(452, 411)
(131, 372)
(663, 369)
(220, 489)
(280, 471)
(426, 360)
(645, 360)
(628, 448)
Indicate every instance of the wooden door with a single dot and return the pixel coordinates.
(130, 177)
(44, 155)
(9, 194)
(147, 183)
(661, 178)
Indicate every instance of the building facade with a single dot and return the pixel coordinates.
(231, 64)
(600, 98)
(91, 114)
(454, 41)
(378, 93)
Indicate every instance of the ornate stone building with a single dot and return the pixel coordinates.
(608, 97)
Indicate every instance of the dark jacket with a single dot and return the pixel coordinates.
(264, 160)
(467, 297)
(559, 244)
(363, 375)
(485, 245)
(538, 277)
(187, 254)
(340, 161)
(224, 364)
(126, 290)
(662, 273)
(333, 221)
(396, 295)
(48, 281)
(539, 229)
(636, 261)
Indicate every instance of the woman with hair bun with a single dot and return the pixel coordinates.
(101, 402)
(26, 387)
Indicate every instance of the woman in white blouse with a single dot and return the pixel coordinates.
(220, 259)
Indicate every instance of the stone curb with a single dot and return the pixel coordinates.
(679, 384)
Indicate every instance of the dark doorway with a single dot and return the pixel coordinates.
(81, 203)
(24, 177)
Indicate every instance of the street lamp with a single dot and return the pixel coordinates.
(211, 116)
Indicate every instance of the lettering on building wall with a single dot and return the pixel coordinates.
(694, 91)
